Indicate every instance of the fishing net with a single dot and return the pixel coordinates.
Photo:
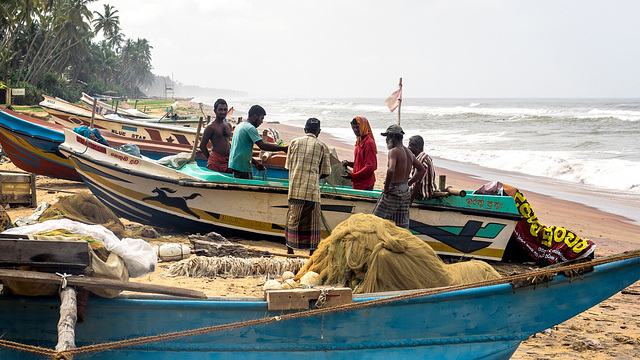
(370, 254)
(229, 266)
(85, 208)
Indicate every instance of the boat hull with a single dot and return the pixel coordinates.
(196, 199)
(33, 147)
(71, 116)
(487, 322)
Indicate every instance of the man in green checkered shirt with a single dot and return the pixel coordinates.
(308, 162)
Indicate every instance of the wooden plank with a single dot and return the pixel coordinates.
(38, 253)
(46, 278)
(298, 299)
(34, 201)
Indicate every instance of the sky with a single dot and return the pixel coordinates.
(360, 49)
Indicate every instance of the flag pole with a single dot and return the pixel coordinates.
(400, 102)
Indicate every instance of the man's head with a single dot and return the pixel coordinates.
(416, 144)
(394, 136)
(312, 126)
(220, 109)
(256, 115)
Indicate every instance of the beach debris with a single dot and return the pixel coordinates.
(229, 266)
(33, 218)
(137, 254)
(147, 232)
(172, 251)
(287, 275)
(311, 279)
(215, 245)
(289, 284)
(272, 285)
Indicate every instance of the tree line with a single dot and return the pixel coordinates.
(50, 46)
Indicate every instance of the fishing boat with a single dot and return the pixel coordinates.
(197, 199)
(32, 145)
(486, 320)
(70, 116)
(126, 111)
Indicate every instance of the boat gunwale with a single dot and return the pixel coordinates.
(194, 182)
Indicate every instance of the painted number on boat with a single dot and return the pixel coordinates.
(131, 160)
(480, 203)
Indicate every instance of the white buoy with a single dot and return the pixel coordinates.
(172, 251)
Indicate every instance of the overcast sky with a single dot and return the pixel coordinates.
(443, 48)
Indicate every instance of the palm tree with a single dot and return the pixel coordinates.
(136, 63)
(109, 24)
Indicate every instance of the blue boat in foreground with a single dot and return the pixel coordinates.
(478, 321)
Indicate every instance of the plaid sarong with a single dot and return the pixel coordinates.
(394, 205)
(302, 230)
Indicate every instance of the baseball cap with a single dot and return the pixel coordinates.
(393, 129)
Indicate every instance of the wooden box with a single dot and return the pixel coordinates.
(17, 187)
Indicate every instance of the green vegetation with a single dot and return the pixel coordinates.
(47, 46)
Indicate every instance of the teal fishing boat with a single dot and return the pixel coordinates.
(199, 200)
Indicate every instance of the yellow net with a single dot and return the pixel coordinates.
(370, 254)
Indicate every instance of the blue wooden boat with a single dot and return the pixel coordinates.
(480, 321)
(32, 145)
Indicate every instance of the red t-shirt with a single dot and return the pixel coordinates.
(365, 163)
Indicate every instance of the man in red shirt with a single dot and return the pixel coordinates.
(365, 159)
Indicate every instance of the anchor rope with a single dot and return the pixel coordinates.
(534, 276)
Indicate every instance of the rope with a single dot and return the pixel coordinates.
(63, 281)
(540, 274)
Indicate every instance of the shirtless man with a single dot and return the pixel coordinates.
(218, 132)
(394, 202)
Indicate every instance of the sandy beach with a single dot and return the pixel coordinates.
(607, 331)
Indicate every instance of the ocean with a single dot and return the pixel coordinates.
(582, 150)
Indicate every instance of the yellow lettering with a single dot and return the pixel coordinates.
(559, 234)
(525, 210)
(580, 246)
(571, 239)
(547, 237)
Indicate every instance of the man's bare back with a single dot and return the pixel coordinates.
(403, 159)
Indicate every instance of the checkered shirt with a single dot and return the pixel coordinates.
(308, 158)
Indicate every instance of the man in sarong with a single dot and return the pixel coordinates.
(218, 132)
(365, 160)
(244, 136)
(308, 162)
(395, 199)
(425, 186)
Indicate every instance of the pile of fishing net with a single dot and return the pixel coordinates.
(229, 266)
(85, 208)
(370, 254)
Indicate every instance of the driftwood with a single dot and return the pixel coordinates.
(68, 318)
(47, 278)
